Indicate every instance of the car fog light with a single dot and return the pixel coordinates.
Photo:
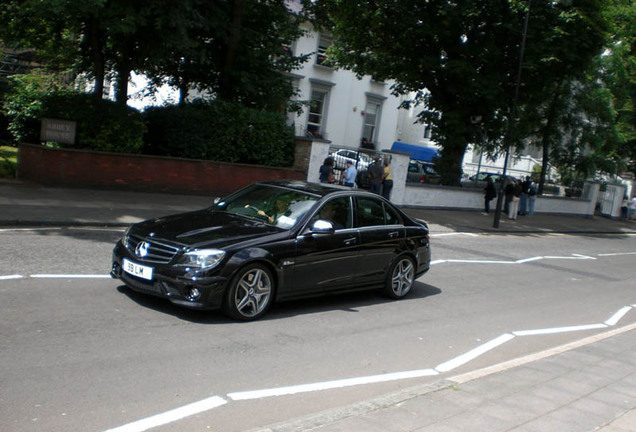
(194, 294)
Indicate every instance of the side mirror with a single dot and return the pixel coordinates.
(322, 227)
(216, 200)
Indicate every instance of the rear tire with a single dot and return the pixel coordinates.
(400, 278)
(250, 294)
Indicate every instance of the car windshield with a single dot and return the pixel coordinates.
(273, 205)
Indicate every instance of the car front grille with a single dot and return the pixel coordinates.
(160, 252)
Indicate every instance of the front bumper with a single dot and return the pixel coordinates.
(189, 289)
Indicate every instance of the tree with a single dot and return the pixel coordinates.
(618, 73)
(465, 54)
(233, 49)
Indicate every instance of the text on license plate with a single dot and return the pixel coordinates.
(138, 270)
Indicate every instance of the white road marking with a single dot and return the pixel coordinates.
(617, 254)
(460, 379)
(525, 260)
(573, 257)
(8, 277)
(519, 261)
(474, 353)
(454, 234)
(476, 261)
(30, 229)
(558, 330)
(617, 316)
(172, 415)
(69, 276)
(326, 385)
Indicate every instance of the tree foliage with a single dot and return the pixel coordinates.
(101, 125)
(230, 48)
(618, 73)
(465, 54)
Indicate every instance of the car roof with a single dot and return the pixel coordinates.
(321, 189)
(422, 162)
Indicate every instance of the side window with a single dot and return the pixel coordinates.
(337, 211)
(391, 217)
(370, 212)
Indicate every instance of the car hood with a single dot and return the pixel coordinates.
(205, 228)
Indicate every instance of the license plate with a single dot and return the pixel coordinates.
(138, 270)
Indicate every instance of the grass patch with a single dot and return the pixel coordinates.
(8, 161)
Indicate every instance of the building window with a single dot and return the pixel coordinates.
(427, 132)
(324, 42)
(371, 120)
(317, 109)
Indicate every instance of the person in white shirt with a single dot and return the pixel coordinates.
(632, 208)
(350, 174)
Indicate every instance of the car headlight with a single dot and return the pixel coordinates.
(204, 258)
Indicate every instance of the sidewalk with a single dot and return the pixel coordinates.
(31, 205)
(586, 386)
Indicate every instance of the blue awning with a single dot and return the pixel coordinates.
(416, 152)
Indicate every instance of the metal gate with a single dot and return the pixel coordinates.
(362, 159)
(610, 200)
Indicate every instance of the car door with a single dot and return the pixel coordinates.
(327, 261)
(381, 235)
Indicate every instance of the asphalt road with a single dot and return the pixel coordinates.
(80, 352)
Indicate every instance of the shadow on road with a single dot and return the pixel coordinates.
(350, 302)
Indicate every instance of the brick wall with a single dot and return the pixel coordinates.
(74, 168)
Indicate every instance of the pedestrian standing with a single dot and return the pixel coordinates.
(326, 171)
(387, 182)
(514, 203)
(532, 197)
(376, 173)
(509, 192)
(490, 192)
(350, 174)
(525, 189)
(625, 208)
(632, 208)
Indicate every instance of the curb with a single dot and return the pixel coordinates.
(388, 401)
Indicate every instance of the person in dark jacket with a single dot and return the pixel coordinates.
(490, 192)
(525, 191)
(509, 193)
(513, 209)
(376, 175)
(326, 171)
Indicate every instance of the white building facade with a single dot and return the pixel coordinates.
(340, 108)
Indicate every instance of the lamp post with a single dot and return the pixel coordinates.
(513, 113)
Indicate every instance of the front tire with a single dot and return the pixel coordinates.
(400, 278)
(250, 294)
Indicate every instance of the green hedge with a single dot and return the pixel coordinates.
(214, 130)
(220, 131)
(101, 125)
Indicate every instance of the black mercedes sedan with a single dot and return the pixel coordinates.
(274, 241)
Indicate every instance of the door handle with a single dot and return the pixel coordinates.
(394, 234)
(350, 241)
